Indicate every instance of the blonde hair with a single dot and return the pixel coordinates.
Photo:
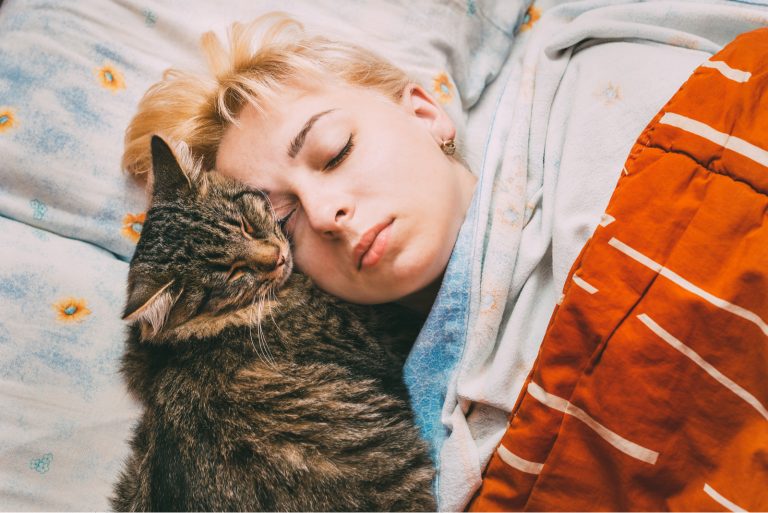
(196, 109)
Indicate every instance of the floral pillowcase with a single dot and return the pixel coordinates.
(72, 73)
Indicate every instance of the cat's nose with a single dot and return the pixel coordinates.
(265, 257)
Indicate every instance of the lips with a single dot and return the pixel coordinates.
(372, 245)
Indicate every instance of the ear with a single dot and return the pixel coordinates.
(169, 179)
(419, 103)
(149, 305)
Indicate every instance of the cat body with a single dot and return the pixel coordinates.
(260, 392)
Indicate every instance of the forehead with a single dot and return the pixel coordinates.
(262, 136)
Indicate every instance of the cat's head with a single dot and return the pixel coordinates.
(210, 249)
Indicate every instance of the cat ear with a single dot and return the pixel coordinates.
(149, 305)
(169, 179)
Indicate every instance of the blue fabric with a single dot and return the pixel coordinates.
(438, 348)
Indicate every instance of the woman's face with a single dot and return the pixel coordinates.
(376, 205)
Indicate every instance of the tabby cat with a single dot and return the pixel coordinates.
(259, 391)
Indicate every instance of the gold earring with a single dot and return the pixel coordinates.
(448, 147)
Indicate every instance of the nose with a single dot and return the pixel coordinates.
(265, 256)
(327, 213)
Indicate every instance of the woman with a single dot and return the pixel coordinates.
(361, 159)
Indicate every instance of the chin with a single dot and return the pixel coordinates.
(367, 293)
(421, 267)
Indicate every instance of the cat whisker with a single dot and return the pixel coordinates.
(261, 350)
(273, 297)
(250, 327)
(260, 331)
(268, 359)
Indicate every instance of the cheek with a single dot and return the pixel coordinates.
(323, 275)
(318, 261)
(313, 258)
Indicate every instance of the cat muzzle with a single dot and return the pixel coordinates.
(264, 256)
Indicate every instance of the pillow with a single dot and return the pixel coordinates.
(64, 413)
(72, 73)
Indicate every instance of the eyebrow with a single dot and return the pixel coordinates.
(298, 142)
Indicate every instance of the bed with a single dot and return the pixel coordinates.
(549, 98)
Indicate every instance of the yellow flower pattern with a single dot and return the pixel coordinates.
(71, 310)
(110, 78)
(132, 225)
(443, 88)
(532, 15)
(7, 119)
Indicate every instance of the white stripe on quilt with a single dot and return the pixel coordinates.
(619, 442)
(515, 461)
(701, 362)
(721, 500)
(727, 141)
(606, 219)
(690, 287)
(728, 72)
(584, 285)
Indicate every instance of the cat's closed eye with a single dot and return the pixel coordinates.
(246, 228)
(237, 270)
(283, 221)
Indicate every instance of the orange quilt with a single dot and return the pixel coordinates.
(650, 390)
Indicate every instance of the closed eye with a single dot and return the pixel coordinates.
(237, 270)
(246, 228)
(283, 221)
(342, 155)
(231, 272)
